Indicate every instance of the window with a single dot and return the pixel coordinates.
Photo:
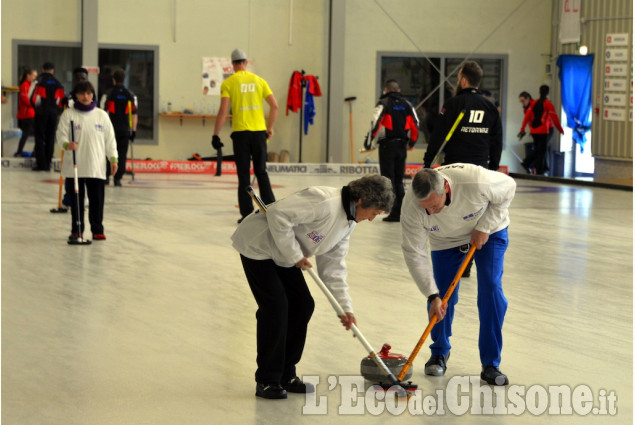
(141, 75)
(419, 77)
(65, 57)
(139, 63)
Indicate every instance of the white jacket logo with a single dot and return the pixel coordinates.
(315, 237)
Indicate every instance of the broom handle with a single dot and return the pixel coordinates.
(447, 138)
(434, 318)
(61, 183)
(132, 143)
(340, 312)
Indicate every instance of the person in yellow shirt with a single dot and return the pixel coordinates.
(245, 91)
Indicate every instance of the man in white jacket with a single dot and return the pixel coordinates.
(274, 249)
(451, 207)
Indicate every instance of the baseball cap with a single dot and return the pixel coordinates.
(238, 55)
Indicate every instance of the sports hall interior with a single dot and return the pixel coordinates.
(156, 325)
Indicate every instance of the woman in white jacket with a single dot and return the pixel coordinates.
(274, 249)
(94, 142)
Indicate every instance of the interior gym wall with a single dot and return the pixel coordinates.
(285, 35)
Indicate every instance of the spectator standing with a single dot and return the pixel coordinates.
(478, 139)
(120, 103)
(396, 128)
(540, 116)
(245, 91)
(26, 112)
(47, 97)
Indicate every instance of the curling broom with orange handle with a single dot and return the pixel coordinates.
(435, 319)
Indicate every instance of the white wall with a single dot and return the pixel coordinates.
(262, 28)
(449, 26)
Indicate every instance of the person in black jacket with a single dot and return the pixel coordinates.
(121, 103)
(46, 96)
(478, 139)
(396, 128)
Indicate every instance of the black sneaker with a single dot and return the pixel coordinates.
(295, 385)
(437, 365)
(118, 183)
(240, 220)
(493, 376)
(74, 237)
(270, 391)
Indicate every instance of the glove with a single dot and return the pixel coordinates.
(367, 143)
(133, 134)
(216, 143)
(411, 144)
(521, 135)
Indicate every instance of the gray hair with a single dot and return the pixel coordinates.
(374, 191)
(427, 181)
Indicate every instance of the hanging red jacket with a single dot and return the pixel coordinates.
(314, 88)
(294, 98)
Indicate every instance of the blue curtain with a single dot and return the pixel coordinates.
(576, 77)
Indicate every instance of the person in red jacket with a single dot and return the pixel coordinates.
(26, 113)
(540, 116)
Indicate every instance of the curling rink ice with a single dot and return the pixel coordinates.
(156, 325)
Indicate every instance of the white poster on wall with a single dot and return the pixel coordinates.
(215, 71)
(617, 39)
(616, 70)
(614, 114)
(569, 21)
(615, 84)
(616, 55)
(614, 99)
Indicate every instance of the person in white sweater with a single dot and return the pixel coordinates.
(449, 208)
(274, 249)
(94, 142)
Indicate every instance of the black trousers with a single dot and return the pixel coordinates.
(285, 307)
(26, 126)
(392, 164)
(538, 154)
(122, 138)
(45, 126)
(94, 188)
(251, 146)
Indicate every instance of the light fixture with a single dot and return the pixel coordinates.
(583, 50)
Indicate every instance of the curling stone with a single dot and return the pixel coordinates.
(394, 361)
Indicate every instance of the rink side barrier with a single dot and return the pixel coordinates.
(209, 167)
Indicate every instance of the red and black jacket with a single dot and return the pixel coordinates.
(397, 117)
(47, 94)
(120, 103)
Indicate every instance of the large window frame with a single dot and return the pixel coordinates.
(415, 87)
(70, 58)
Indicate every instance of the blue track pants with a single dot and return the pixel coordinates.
(491, 301)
